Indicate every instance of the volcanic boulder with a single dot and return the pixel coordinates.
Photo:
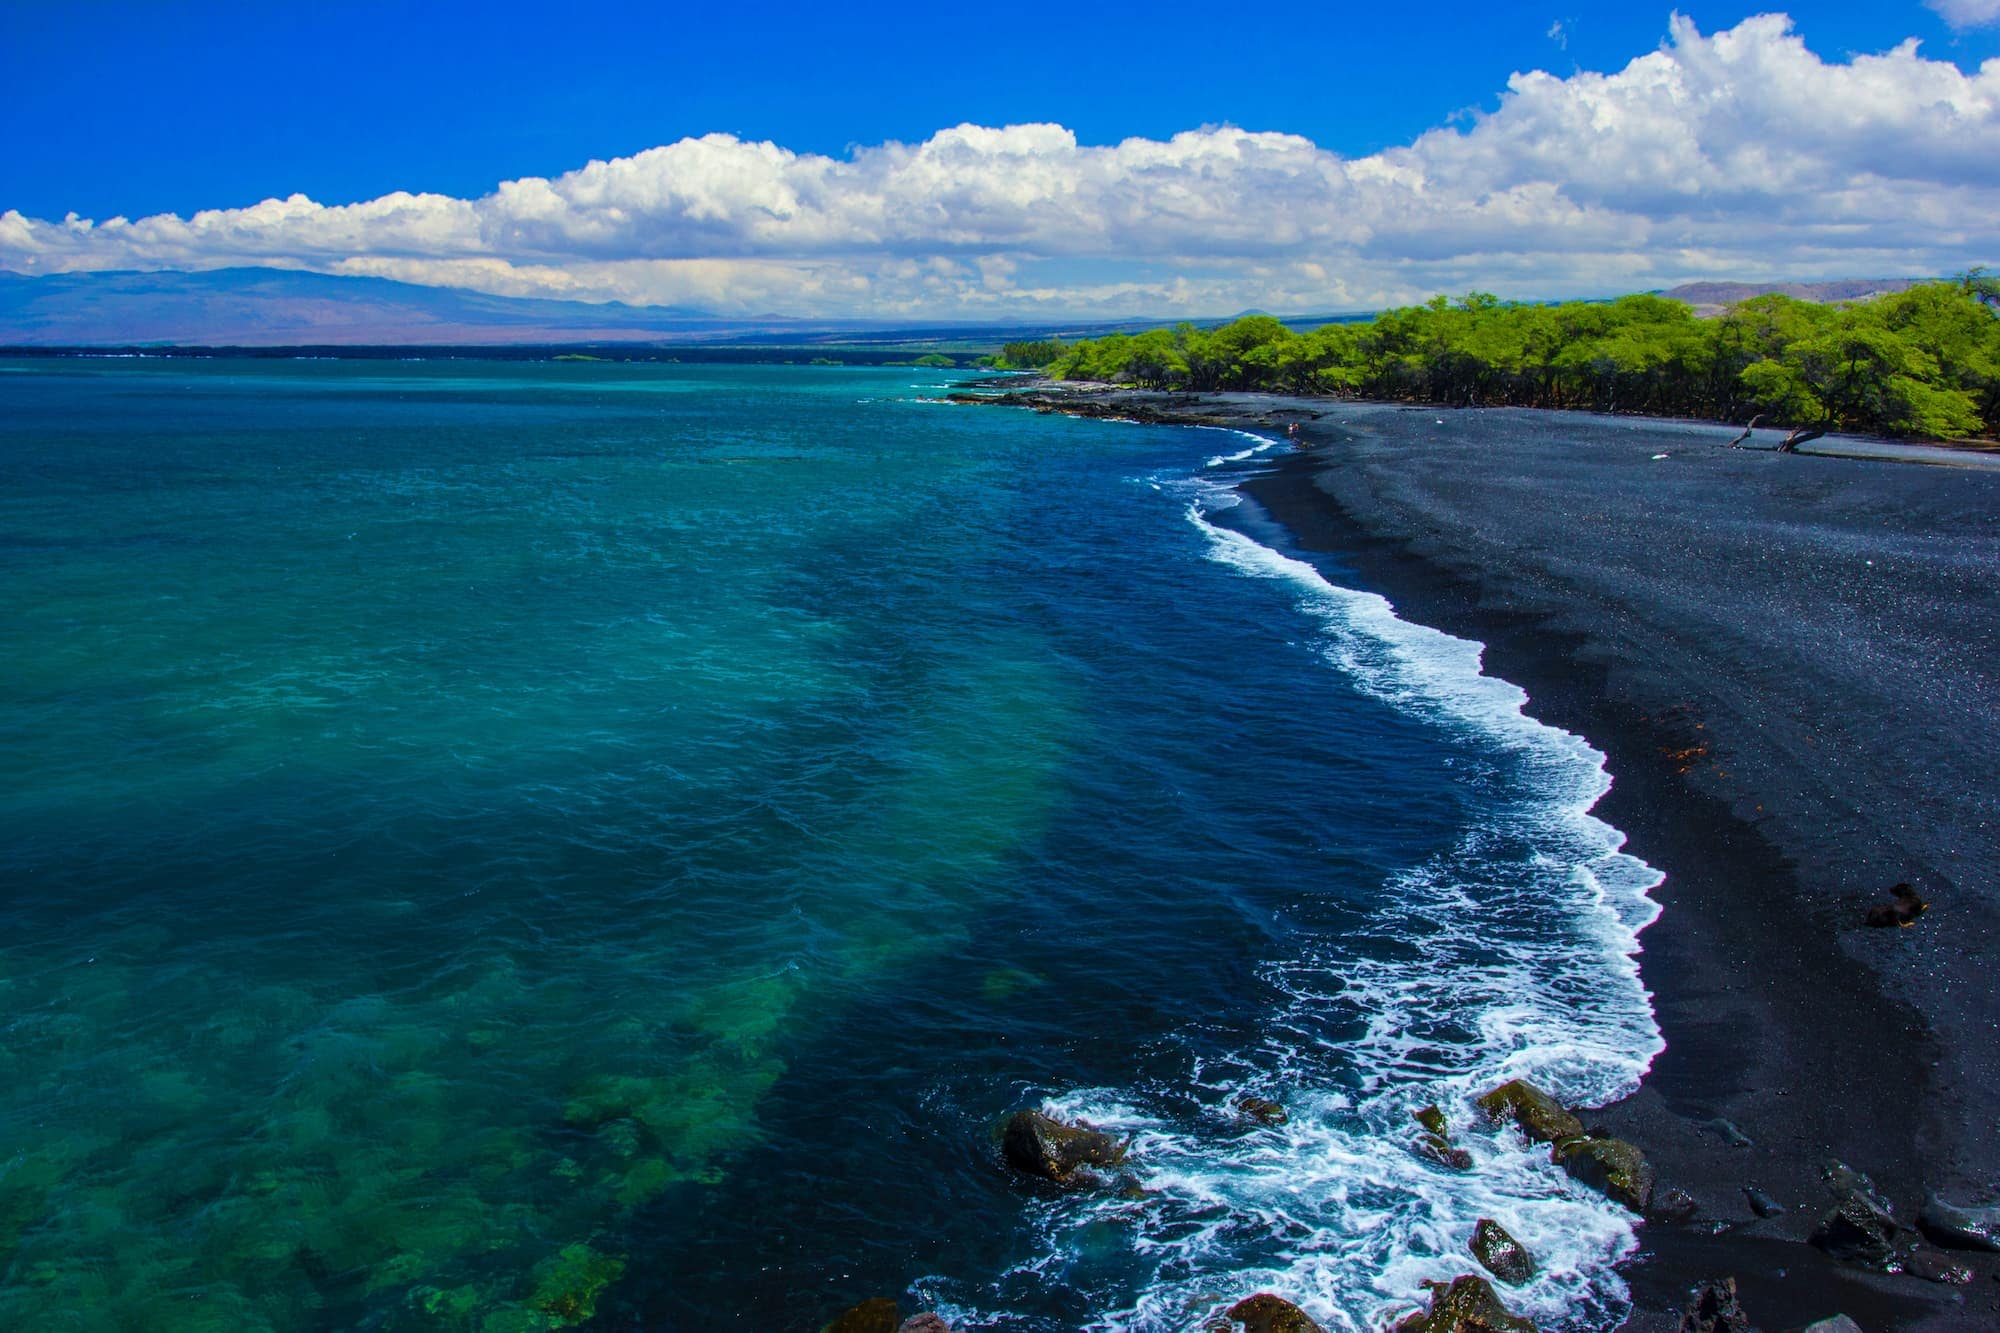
(1468, 1305)
(878, 1315)
(1612, 1167)
(1540, 1116)
(1041, 1145)
(1500, 1254)
(1265, 1313)
(1857, 1230)
(1263, 1110)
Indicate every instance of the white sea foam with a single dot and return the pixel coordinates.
(1515, 957)
(1262, 444)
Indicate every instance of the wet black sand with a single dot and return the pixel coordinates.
(1793, 664)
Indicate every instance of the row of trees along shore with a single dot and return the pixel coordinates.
(1924, 362)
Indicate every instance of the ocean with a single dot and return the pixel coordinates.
(516, 846)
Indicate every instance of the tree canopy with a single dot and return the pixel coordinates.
(1923, 362)
(1033, 355)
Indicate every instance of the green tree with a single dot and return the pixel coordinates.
(1855, 371)
(1033, 355)
(1925, 362)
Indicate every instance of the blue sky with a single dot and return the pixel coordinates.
(162, 105)
(138, 109)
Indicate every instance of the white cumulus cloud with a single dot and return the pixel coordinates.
(1967, 13)
(1741, 153)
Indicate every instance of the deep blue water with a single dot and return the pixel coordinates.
(498, 845)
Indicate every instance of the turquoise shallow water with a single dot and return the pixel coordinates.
(512, 846)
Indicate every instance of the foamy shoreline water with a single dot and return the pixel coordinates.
(1351, 1222)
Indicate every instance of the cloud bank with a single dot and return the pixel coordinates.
(1967, 13)
(1736, 154)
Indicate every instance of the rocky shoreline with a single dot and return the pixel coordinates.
(1813, 1049)
(1859, 1229)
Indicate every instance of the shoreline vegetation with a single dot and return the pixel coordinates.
(1923, 363)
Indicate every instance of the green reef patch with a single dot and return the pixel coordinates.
(466, 1150)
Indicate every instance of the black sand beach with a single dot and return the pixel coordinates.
(1793, 664)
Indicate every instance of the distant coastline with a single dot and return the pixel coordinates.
(774, 353)
(1920, 363)
(1279, 412)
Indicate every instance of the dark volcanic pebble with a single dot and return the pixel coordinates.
(1712, 1307)
(1761, 1203)
(1857, 1231)
(1960, 1228)
(1935, 1268)
(1674, 1206)
(1727, 1131)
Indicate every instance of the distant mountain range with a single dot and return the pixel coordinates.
(1712, 298)
(265, 307)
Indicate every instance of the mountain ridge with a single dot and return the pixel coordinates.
(1712, 298)
(255, 307)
